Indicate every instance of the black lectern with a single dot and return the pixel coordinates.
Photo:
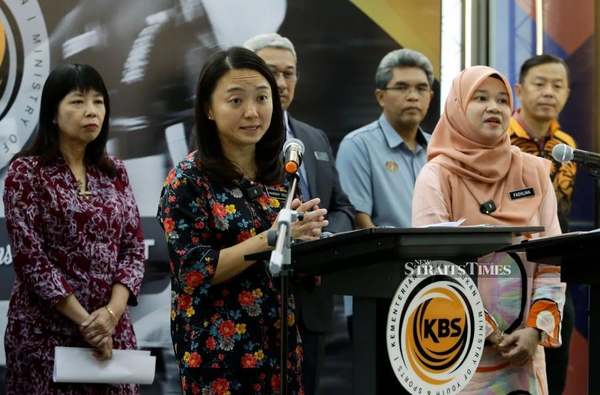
(577, 254)
(370, 264)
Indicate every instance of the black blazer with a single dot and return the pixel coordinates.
(316, 305)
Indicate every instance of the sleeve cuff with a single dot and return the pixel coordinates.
(490, 324)
(133, 285)
(363, 207)
(58, 293)
(545, 316)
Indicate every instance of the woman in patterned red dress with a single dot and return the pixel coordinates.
(76, 239)
(215, 208)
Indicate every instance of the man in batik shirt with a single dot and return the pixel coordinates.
(543, 90)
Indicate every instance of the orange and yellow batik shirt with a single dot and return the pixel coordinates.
(562, 174)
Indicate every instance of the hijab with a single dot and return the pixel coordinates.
(485, 168)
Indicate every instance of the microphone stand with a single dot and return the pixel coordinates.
(594, 297)
(591, 168)
(280, 265)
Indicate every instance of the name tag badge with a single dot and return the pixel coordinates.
(279, 193)
(322, 155)
(521, 193)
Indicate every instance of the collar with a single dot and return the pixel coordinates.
(520, 129)
(394, 139)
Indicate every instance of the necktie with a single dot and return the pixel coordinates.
(303, 185)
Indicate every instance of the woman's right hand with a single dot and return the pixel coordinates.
(99, 325)
(313, 222)
(104, 350)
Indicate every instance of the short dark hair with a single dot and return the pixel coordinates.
(63, 80)
(401, 58)
(539, 60)
(210, 152)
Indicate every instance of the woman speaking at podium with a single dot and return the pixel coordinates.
(215, 208)
(475, 174)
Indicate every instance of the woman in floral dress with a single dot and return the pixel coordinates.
(215, 208)
(76, 239)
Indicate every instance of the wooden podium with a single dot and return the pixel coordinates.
(370, 264)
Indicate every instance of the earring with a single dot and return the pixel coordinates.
(210, 116)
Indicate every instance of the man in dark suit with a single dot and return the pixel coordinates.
(318, 178)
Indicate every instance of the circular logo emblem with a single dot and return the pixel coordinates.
(24, 66)
(436, 330)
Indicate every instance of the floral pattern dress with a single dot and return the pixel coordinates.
(65, 244)
(226, 336)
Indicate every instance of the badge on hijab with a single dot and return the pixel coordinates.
(521, 193)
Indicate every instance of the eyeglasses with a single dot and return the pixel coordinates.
(287, 75)
(405, 89)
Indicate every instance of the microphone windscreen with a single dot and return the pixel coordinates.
(293, 141)
(562, 153)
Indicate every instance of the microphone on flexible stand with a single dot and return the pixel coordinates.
(281, 239)
(565, 153)
(589, 160)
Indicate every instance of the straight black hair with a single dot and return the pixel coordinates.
(210, 152)
(63, 80)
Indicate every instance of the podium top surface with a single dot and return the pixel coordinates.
(558, 250)
(434, 229)
(369, 246)
(574, 252)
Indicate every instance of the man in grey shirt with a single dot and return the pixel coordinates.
(379, 163)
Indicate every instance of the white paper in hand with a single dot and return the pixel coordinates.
(79, 365)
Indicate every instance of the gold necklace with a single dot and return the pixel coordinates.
(83, 191)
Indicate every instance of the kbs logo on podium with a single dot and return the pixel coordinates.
(436, 331)
(24, 66)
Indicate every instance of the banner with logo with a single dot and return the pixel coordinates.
(150, 53)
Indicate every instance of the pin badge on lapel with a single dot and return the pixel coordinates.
(321, 155)
(391, 166)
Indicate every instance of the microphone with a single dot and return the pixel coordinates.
(487, 207)
(251, 191)
(293, 149)
(564, 153)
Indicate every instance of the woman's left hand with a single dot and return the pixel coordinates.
(520, 346)
(98, 326)
(313, 222)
